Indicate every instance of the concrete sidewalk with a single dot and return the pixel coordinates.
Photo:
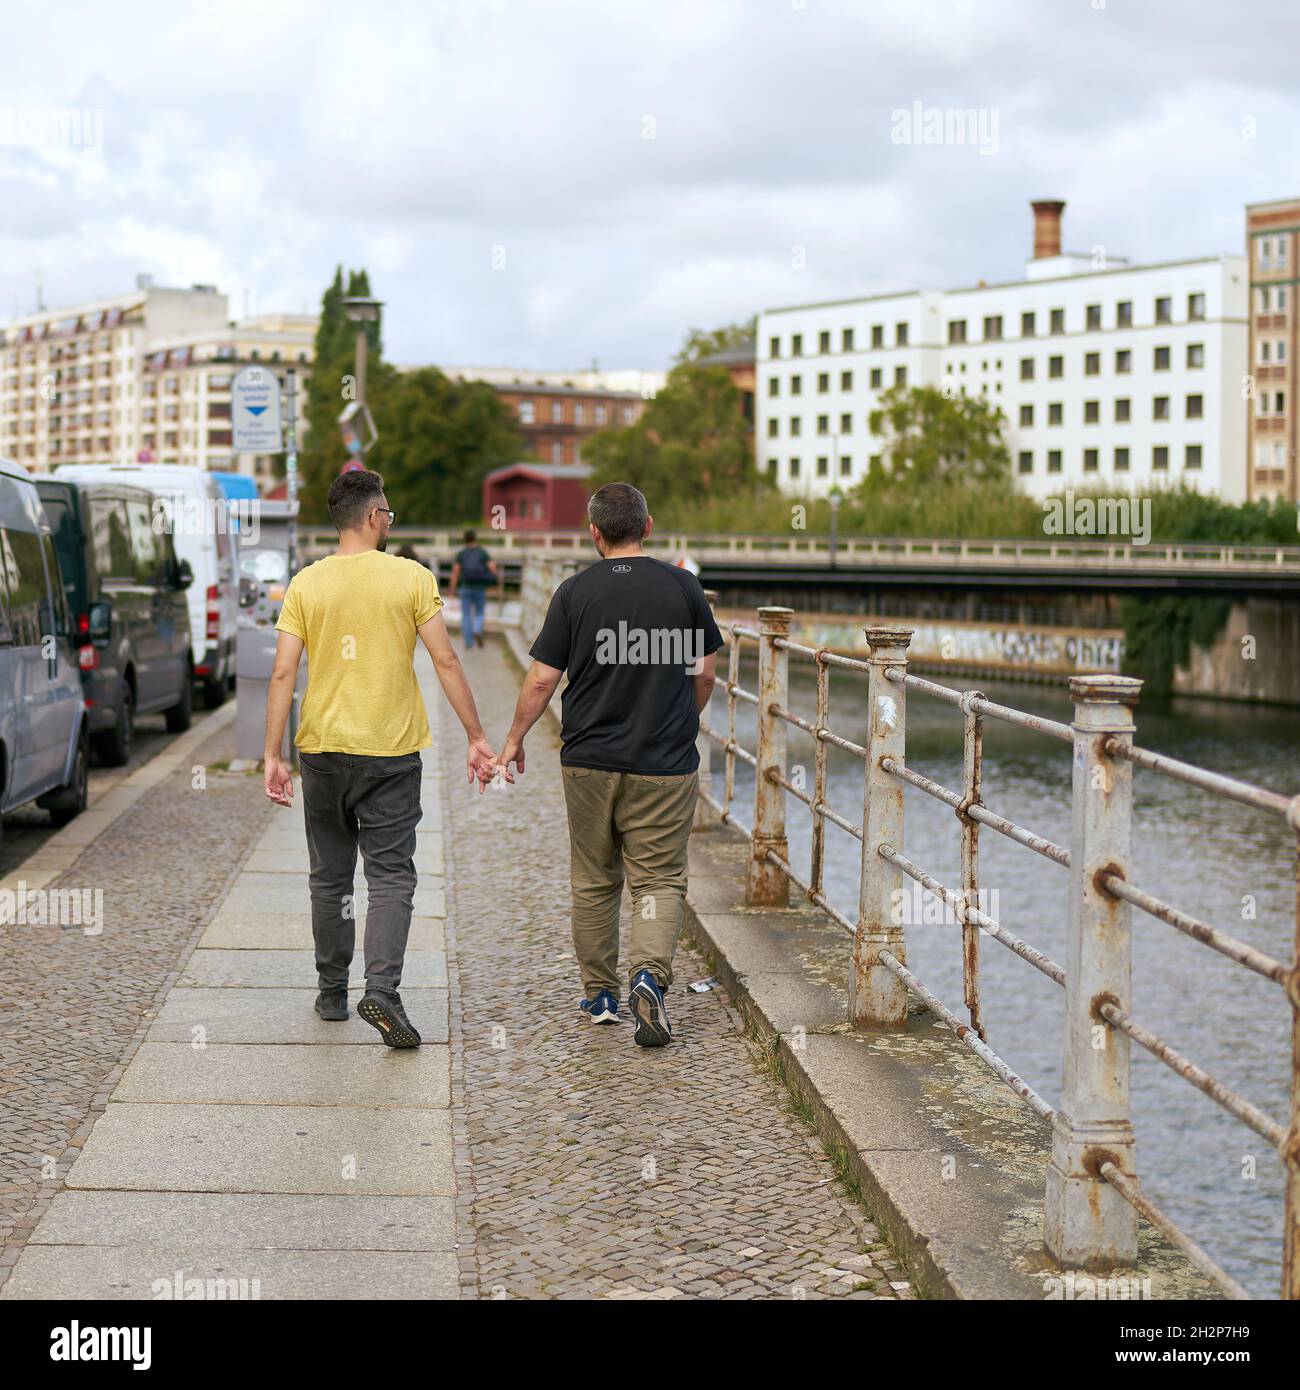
(250, 1143)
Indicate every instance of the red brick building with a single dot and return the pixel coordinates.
(536, 497)
(556, 420)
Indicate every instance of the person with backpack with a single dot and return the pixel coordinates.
(472, 575)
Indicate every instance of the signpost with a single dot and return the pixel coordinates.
(255, 412)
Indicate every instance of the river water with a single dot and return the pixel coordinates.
(1216, 859)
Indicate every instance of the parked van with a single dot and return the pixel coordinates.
(200, 529)
(130, 616)
(44, 739)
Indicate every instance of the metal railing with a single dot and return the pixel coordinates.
(870, 552)
(1093, 1196)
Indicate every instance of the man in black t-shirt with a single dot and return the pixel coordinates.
(637, 639)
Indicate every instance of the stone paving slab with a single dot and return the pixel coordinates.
(88, 1272)
(218, 969)
(268, 1148)
(268, 895)
(249, 1221)
(273, 1074)
(291, 931)
(293, 859)
(283, 1016)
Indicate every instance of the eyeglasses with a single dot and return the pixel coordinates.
(391, 515)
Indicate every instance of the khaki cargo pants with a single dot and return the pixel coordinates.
(626, 824)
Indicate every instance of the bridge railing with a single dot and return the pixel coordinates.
(1093, 1196)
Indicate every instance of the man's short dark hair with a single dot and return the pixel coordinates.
(351, 496)
(619, 512)
(470, 536)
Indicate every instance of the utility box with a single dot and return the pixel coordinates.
(263, 571)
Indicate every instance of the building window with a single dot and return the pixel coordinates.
(1195, 306)
(1123, 411)
(1026, 369)
(1161, 359)
(1026, 417)
(846, 467)
(900, 335)
(1164, 310)
(796, 426)
(1092, 364)
(1055, 413)
(557, 452)
(1026, 461)
(846, 340)
(824, 341)
(1091, 460)
(823, 467)
(1058, 321)
(771, 467)
(877, 378)
(1192, 457)
(1123, 361)
(846, 381)
(1196, 354)
(1056, 367)
(823, 424)
(900, 376)
(1091, 412)
(1124, 314)
(557, 412)
(1053, 460)
(774, 386)
(846, 423)
(1027, 329)
(1093, 316)
(878, 335)
(773, 428)
(1160, 458)
(993, 328)
(956, 330)
(1195, 407)
(1160, 407)
(796, 385)
(774, 347)
(794, 468)
(823, 383)
(579, 413)
(796, 345)
(1121, 459)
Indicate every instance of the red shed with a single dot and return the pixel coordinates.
(538, 496)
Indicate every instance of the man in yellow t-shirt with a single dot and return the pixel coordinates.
(357, 614)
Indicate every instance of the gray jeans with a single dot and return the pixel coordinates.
(373, 804)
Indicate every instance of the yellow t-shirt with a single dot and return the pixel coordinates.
(357, 616)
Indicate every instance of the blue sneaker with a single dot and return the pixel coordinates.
(647, 1003)
(602, 1009)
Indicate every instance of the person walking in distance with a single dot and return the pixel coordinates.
(357, 614)
(472, 574)
(637, 639)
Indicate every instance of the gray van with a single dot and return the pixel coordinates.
(44, 738)
(130, 613)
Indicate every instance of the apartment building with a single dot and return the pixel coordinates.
(1270, 376)
(140, 377)
(185, 402)
(70, 378)
(1108, 375)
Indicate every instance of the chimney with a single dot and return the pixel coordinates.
(1047, 227)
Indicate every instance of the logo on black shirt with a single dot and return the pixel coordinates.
(622, 569)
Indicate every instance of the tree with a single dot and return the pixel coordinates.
(692, 442)
(934, 437)
(705, 342)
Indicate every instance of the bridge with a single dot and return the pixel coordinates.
(802, 558)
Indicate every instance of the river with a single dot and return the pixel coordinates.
(1223, 862)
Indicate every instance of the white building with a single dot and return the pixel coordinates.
(1109, 375)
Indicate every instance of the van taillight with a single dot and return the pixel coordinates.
(214, 613)
(83, 629)
(88, 658)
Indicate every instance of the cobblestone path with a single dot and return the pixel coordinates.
(597, 1168)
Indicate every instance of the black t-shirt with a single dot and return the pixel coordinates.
(474, 562)
(629, 631)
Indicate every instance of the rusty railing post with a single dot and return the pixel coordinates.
(765, 884)
(1087, 1223)
(1291, 1149)
(877, 997)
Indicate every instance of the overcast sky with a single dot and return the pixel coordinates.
(543, 184)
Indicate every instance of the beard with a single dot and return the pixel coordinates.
(383, 544)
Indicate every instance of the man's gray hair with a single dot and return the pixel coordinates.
(619, 512)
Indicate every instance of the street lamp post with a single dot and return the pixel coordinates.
(358, 428)
(835, 497)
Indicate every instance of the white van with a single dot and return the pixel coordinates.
(201, 534)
